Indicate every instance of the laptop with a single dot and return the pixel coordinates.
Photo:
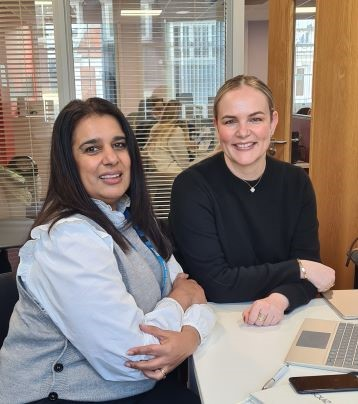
(325, 344)
(344, 302)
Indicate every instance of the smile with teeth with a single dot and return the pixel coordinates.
(111, 179)
(109, 176)
(244, 146)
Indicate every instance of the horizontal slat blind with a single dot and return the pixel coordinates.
(28, 104)
(141, 62)
(177, 55)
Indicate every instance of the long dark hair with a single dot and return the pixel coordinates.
(66, 194)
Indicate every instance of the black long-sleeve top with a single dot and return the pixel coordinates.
(242, 246)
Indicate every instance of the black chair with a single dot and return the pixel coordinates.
(8, 297)
(352, 255)
(5, 265)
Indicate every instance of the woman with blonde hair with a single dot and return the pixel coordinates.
(245, 224)
(168, 143)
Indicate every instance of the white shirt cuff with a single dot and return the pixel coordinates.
(202, 318)
(170, 311)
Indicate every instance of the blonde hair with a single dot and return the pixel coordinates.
(169, 120)
(171, 112)
(239, 81)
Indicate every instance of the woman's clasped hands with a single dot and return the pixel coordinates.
(174, 347)
(187, 291)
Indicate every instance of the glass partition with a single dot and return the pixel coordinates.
(141, 54)
(302, 80)
(28, 104)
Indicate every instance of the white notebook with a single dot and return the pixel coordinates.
(284, 393)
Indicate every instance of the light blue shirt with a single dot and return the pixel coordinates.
(73, 274)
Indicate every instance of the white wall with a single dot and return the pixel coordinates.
(257, 49)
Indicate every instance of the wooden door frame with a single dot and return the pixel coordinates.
(280, 69)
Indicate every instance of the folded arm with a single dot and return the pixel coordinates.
(200, 236)
(79, 286)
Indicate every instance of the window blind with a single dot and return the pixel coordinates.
(171, 50)
(142, 54)
(28, 104)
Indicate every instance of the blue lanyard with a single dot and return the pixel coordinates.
(150, 245)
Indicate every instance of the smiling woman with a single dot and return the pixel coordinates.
(245, 124)
(102, 158)
(245, 224)
(107, 305)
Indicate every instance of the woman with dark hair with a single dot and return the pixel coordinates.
(99, 289)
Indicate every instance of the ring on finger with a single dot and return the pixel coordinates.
(261, 317)
(164, 373)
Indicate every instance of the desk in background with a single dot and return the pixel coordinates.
(14, 232)
(238, 359)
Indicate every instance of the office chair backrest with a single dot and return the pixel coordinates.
(352, 253)
(302, 125)
(8, 297)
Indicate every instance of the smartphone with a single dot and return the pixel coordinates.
(325, 383)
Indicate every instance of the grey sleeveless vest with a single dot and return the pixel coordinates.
(37, 361)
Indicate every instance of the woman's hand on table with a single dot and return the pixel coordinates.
(267, 311)
(173, 348)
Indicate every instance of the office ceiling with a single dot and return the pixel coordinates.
(174, 9)
(254, 2)
(254, 10)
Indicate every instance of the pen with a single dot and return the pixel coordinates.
(278, 375)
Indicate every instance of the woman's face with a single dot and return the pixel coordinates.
(100, 151)
(244, 128)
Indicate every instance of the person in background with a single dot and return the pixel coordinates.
(156, 107)
(169, 144)
(149, 113)
(245, 224)
(105, 312)
(132, 120)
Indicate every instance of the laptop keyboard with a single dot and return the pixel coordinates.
(344, 350)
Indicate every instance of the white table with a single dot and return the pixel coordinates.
(238, 359)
